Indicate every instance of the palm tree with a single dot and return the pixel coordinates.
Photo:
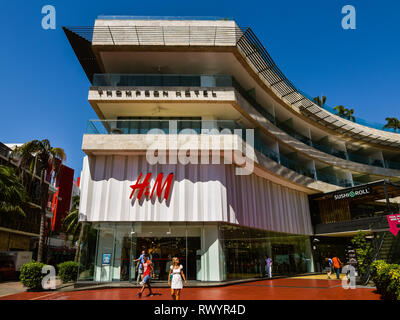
(12, 192)
(392, 123)
(40, 156)
(341, 111)
(320, 101)
(72, 226)
(349, 115)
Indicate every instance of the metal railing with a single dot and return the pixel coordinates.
(193, 80)
(160, 35)
(333, 179)
(243, 38)
(139, 126)
(178, 18)
(161, 80)
(367, 275)
(266, 68)
(126, 126)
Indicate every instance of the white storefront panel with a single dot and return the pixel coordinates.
(199, 193)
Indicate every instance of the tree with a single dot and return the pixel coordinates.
(12, 192)
(364, 251)
(392, 123)
(345, 113)
(349, 115)
(39, 156)
(341, 111)
(320, 101)
(72, 225)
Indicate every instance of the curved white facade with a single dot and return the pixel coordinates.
(199, 193)
(209, 75)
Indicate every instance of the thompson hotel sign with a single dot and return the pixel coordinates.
(352, 194)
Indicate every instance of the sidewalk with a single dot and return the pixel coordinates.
(278, 289)
(11, 287)
(14, 287)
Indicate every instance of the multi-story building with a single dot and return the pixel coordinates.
(61, 202)
(59, 245)
(19, 233)
(199, 84)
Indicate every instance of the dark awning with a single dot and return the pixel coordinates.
(83, 51)
(372, 191)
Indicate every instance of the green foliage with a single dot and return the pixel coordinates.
(50, 158)
(345, 113)
(349, 115)
(320, 101)
(71, 223)
(68, 271)
(12, 192)
(364, 251)
(31, 275)
(392, 123)
(387, 279)
(46, 159)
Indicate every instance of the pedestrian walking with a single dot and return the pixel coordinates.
(139, 267)
(148, 269)
(329, 264)
(176, 278)
(268, 266)
(336, 264)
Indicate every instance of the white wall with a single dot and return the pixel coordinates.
(200, 193)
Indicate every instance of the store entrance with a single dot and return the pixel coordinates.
(161, 250)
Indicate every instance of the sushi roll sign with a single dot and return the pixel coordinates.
(352, 194)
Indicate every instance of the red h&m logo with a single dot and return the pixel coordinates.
(144, 186)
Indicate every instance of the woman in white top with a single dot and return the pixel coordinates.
(176, 278)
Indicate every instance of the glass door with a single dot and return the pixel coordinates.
(122, 253)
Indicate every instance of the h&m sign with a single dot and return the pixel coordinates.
(158, 187)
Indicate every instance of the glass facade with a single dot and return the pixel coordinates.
(208, 252)
(108, 250)
(245, 251)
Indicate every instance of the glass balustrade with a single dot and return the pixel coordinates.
(197, 126)
(210, 81)
(161, 80)
(392, 164)
(357, 120)
(122, 126)
(333, 179)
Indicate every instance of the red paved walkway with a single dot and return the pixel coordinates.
(279, 289)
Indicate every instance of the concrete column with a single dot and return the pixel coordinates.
(211, 262)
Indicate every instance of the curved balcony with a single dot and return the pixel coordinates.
(116, 127)
(210, 81)
(221, 34)
(265, 67)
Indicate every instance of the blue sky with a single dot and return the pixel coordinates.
(44, 89)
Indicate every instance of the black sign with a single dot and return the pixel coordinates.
(351, 257)
(352, 194)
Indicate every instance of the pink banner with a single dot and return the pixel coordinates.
(394, 220)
